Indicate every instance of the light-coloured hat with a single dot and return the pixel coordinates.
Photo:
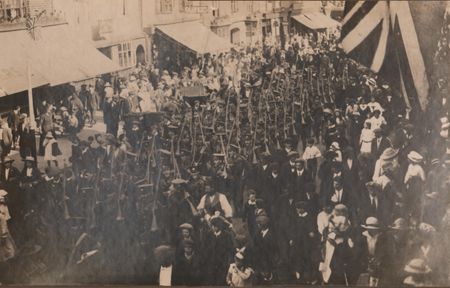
(186, 226)
(49, 135)
(132, 78)
(389, 153)
(239, 256)
(29, 158)
(179, 181)
(108, 84)
(335, 146)
(415, 157)
(426, 228)
(7, 160)
(3, 193)
(372, 223)
(417, 266)
(399, 224)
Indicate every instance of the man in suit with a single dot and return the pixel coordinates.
(9, 173)
(219, 249)
(285, 210)
(374, 251)
(303, 241)
(287, 170)
(338, 195)
(261, 173)
(379, 143)
(350, 170)
(188, 267)
(273, 186)
(265, 248)
(374, 204)
(13, 122)
(301, 178)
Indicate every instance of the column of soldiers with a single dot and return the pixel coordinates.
(297, 166)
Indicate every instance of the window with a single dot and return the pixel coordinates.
(185, 5)
(234, 6)
(125, 55)
(165, 6)
(250, 7)
(13, 10)
(215, 8)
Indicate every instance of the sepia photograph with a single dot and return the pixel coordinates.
(224, 143)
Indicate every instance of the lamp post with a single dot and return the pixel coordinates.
(31, 25)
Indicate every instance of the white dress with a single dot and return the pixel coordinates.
(365, 141)
(7, 246)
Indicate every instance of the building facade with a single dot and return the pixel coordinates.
(113, 26)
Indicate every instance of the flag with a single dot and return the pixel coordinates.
(395, 39)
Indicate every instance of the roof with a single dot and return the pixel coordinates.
(316, 20)
(54, 58)
(196, 37)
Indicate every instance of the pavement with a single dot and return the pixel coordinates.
(65, 145)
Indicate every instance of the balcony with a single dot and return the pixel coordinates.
(19, 23)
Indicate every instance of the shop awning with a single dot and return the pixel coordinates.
(55, 57)
(196, 37)
(316, 21)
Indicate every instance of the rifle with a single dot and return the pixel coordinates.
(119, 195)
(64, 185)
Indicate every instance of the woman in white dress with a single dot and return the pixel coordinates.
(365, 141)
(7, 246)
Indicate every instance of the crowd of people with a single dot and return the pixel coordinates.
(268, 165)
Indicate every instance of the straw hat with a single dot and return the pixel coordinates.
(399, 224)
(186, 226)
(179, 181)
(49, 135)
(417, 266)
(335, 146)
(389, 153)
(3, 193)
(372, 223)
(415, 157)
(29, 159)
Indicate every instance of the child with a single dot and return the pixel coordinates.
(51, 149)
(239, 274)
(311, 155)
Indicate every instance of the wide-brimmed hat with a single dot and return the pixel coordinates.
(218, 222)
(426, 228)
(377, 130)
(108, 84)
(179, 181)
(49, 135)
(389, 153)
(415, 157)
(372, 223)
(399, 224)
(29, 159)
(7, 160)
(186, 226)
(373, 186)
(262, 220)
(417, 266)
(3, 193)
(53, 172)
(335, 146)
